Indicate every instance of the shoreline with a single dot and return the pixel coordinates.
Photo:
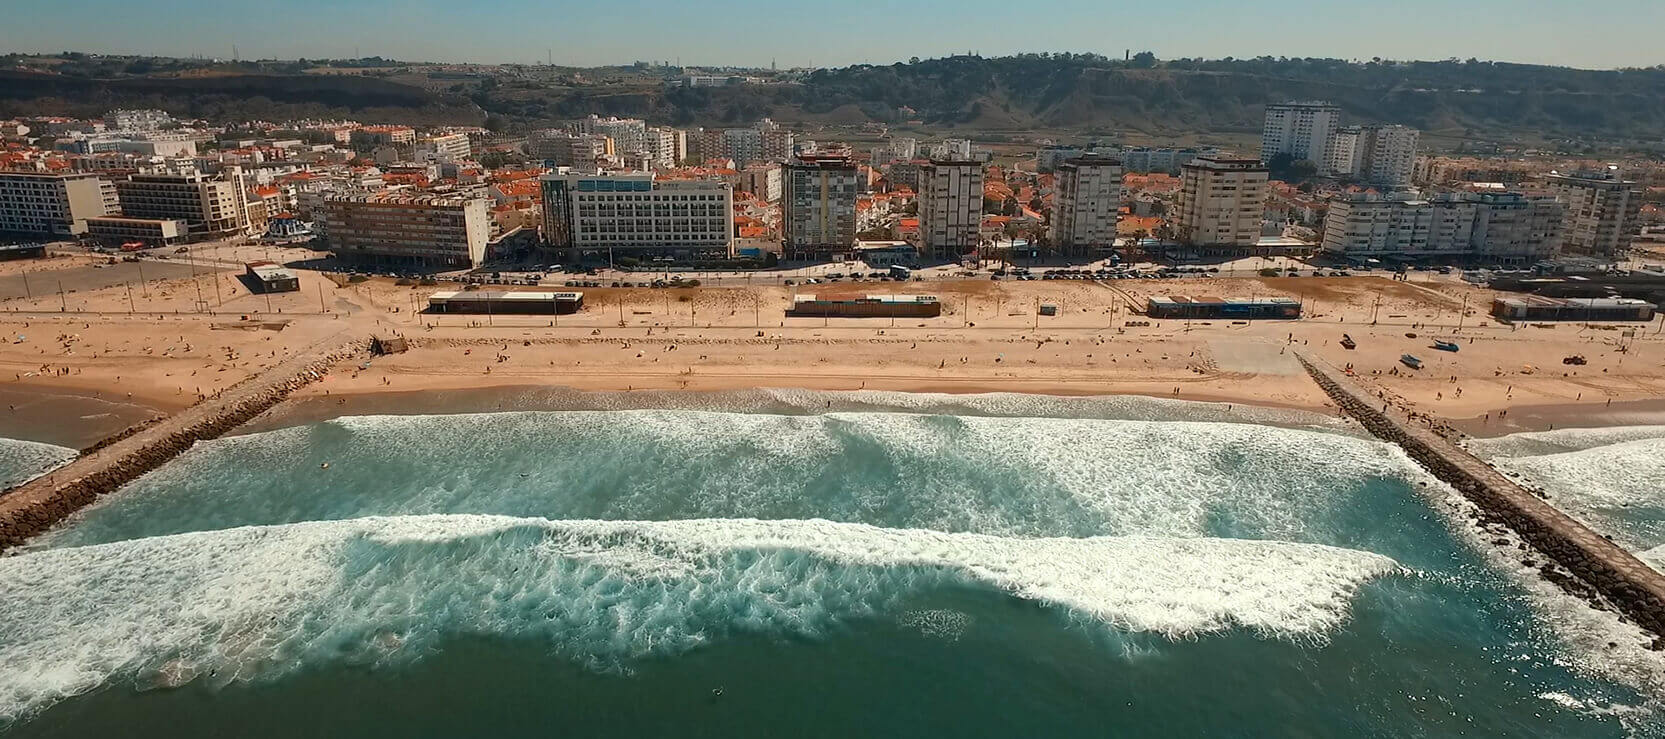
(69, 416)
(314, 407)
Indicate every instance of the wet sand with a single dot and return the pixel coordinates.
(70, 417)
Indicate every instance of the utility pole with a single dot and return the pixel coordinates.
(129, 286)
(26, 292)
(63, 303)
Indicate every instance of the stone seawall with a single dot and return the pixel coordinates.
(33, 507)
(1632, 587)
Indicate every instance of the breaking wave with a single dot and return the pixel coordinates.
(260, 602)
(1611, 479)
(22, 461)
(995, 475)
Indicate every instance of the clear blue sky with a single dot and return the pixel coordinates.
(1581, 33)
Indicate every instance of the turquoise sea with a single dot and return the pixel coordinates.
(838, 565)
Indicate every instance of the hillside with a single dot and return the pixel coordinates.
(1054, 92)
(234, 97)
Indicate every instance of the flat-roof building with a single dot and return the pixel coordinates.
(53, 204)
(1542, 308)
(636, 213)
(1221, 201)
(1088, 205)
(412, 230)
(871, 306)
(818, 206)
(152, 232)
(951, 208)
(271, 277)
(212, 205)
(487, 301)
(1180, 306)
(1603, 212)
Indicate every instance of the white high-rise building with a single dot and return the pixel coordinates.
(952, 150)
(56, 204)
(1510, 228)
(450, 147)
(1221, 201)
(629, 135)
(951, 207)
(1300, 130)
(1379, 155)
(1603, 212)
(662, 150)
(818, 205)
(396, 227)
(636, 213)
(1088, 204)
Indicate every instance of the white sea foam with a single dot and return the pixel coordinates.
(998, 475)
(258, 602)
(21, 461)
(1538, 443)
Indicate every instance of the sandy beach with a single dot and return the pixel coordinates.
(112, 345)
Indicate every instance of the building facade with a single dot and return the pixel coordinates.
(395, 228)
(567, 149)
(1300, 130)
(38, 203)
(638, 214)
(950, 207)
(1221, 201)
(1603, 212)
(1508, 228)
(451, 147)
(212, 205)
(818, 206)
(1087, 206)
(1379, 155)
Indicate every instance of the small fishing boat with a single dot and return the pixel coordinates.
(1410, 361)
(1445, 346)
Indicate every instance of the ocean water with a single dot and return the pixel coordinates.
(1612, 479)
(890, 571)
(22, 461)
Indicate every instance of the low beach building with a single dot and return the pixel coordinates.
(1180, 306)
(152, 232)
(271, 277)
(871, 306)
(523, 303)
(1543, 308)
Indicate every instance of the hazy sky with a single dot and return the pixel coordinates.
(1581, 33)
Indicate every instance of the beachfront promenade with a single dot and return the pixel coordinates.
(35, 506)
(1634, 588)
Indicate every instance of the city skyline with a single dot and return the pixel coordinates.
(1610, 35)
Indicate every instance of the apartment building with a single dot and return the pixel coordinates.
(1221, 201)
(1380, 155)
(403, 229)
(629, 135)
(952, 150)
(212, 205)
(666, 147)
(37, 203)
(1508, 228)
(565, 149)
(1087, 206)
(451, 147)
(138, 120)
(384, 135)
(1301, 130)
(761, 180)
(818, 206)
(1143, 160)
(950, 207)
(1603, 212)
(638, 214)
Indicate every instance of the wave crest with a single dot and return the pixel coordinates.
(258, 602)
